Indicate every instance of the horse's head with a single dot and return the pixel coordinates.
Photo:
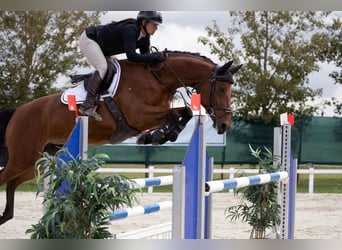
(213, 82)
(216, 96)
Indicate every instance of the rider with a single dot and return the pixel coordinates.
(98, 43)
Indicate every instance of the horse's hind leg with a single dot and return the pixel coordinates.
(10, 190)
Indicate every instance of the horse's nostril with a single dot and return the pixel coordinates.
(225, 127)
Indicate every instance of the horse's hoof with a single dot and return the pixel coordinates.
(161, 141)
(157, 137)
(144, 138)
(173, 135)
(5, 218)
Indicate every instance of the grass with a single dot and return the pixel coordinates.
(29, 186)
(323, 183)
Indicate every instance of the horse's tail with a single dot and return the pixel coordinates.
(5, 117)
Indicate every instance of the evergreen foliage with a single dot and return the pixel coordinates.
(81, 210)
(259, 206)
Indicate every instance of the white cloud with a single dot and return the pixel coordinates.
(183, 38)
(327, 111)
(321, 79)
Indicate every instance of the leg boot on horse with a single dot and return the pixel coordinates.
(186, 115)
(88, 107)
(158, 136)
(170, 130)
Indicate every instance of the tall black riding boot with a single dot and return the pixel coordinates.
(88, 107)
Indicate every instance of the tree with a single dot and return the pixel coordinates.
(278, 54)
(36, 47)
(332, 53)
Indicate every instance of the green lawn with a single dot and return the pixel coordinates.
(323, 183)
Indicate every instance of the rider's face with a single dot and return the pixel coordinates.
(151, 27)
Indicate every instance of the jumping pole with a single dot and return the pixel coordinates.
(195, 169)
(288, 189)
(282, 150)
(77, 144)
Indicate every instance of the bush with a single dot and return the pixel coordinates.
(259, 206)
(78, 201)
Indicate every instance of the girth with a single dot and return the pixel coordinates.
(123, 131)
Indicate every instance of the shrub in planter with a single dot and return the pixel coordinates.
(81, 210)
(259, 206)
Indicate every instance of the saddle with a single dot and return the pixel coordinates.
(123, 129)
(76, 78)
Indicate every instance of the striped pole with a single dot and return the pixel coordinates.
(217, 186)
(140, 210)
(152, 182)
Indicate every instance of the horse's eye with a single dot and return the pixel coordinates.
(221, 90)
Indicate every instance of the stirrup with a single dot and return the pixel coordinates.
(90, 112)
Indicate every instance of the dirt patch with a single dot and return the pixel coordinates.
(318, 216)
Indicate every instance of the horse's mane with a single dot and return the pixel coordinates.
(187, 53)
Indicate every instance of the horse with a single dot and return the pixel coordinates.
(143, 99)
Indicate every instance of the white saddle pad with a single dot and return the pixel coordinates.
(81, 94)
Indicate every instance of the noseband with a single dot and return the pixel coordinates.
(213, 76)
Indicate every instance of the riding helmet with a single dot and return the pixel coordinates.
(152, 16)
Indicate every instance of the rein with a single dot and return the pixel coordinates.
(213, 75)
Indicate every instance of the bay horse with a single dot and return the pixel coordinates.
(144, 98)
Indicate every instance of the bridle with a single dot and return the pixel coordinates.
(210, 109)
(213, 76)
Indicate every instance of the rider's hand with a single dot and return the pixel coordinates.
(158, 57)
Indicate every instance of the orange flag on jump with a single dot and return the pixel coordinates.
(72, 106)
(196, 104)
(290, 119)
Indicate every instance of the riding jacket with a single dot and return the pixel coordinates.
(122, 37)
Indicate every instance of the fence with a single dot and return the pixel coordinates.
(151, 171)
(323, 132)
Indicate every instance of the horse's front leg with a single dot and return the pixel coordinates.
(161, 135)
(185, 116)
(157, 136)
(169, 131)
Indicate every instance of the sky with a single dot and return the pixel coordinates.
(181, 30)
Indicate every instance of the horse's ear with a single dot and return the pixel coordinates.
(236, 69)
(223, 69)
